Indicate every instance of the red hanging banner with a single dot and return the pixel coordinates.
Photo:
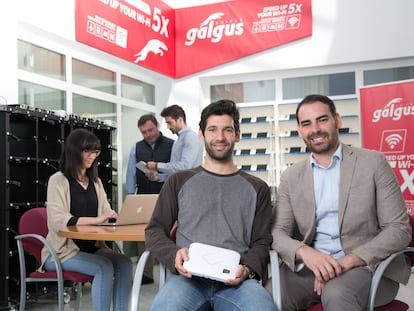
(387, 114)
(211, 35)
(185, 41)
(134, 30)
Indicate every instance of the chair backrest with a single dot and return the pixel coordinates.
(34, 221)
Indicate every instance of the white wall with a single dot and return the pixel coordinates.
(348, 31)
(8, 55)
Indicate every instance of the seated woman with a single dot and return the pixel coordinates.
(76, 196)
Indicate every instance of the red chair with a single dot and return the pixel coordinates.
(31, 239)
(395, 305)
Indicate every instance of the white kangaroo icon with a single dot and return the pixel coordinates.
(155, 46)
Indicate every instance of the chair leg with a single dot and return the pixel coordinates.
(22, 267)
(274, 264)
(136, 286)
(78, 295)
(61, 292)
(22, 295)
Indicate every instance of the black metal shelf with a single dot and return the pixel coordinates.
(32, 140)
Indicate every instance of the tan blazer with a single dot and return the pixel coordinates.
(372, 216)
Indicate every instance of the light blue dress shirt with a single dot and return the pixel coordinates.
(186, 153)
(326, 182)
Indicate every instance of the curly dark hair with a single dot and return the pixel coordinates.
(219, 108)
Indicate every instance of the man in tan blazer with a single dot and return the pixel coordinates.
(338, 214)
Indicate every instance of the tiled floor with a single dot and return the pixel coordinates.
(406, 294)
(50, 303)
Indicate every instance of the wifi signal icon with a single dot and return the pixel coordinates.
(292, 21)
(393, 140)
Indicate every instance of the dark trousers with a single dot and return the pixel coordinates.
(349, 291)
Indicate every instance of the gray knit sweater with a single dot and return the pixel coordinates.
(231, 211)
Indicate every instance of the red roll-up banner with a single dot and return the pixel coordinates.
(181, 42)
(387, 115)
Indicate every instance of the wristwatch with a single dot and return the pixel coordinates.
(252, 274)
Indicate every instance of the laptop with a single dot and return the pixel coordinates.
(136, 209)
(212, 262)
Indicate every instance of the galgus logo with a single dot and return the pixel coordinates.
(394, 110)
(213, 30)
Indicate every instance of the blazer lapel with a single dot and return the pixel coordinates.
(309, 212)
(347, 171)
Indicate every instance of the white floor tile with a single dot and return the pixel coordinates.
(406, 293)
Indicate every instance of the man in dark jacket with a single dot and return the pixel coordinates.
(153, 147)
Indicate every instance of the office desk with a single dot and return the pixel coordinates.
(105, 233)
(114, 233)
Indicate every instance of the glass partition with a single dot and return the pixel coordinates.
(94, 77)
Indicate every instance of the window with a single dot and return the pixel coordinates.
(34, 95)
(93, 77)
(245, 92)
(232, 91)
(388, 75)
(42, 61)
(94, 108)
(137, 90)
(50, 78)
(329, 85)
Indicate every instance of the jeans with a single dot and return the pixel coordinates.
(180, 293)
(112, 272)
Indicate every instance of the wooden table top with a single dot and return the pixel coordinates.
(105, 233)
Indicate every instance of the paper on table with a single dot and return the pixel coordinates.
(141, 165)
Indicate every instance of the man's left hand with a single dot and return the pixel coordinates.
(350, 261)
(242, 273)
(180, 257)
(347, 263)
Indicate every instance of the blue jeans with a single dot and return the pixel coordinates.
(112, 272)
(180, 293)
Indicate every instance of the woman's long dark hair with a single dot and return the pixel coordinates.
(79, 140)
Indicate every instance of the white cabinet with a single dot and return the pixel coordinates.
(270, 142)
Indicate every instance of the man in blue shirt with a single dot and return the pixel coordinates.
(187, 151)
(347, 206)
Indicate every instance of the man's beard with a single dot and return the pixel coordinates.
(219, 156)
(320, 148)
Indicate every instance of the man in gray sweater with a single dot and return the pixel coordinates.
(215, 204)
